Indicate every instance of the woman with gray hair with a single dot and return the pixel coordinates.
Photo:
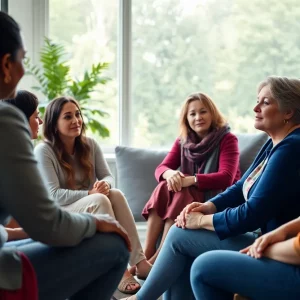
(266, 197)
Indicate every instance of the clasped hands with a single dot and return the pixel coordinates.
(101, 187)
(174, 181)
(191, 216)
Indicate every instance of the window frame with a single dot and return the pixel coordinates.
(4, 6)
(39, 28)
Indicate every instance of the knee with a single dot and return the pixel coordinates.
(204, 266)
(116, 196)
(174, 237)
(117, 246)
(112, 246)
(116, 193)
(163, 185)
(99, 201)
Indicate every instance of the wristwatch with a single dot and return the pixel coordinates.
(195, 176)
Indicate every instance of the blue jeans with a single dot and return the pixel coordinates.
(18, 243)
(171, 271)
(90, 270)
(218, 274)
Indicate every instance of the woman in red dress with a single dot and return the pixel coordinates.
(203, 162)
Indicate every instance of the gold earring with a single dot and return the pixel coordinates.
(285, 121)
(7, 79)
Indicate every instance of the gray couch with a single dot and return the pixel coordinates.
(136, 166)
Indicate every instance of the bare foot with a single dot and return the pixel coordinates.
(143, 268)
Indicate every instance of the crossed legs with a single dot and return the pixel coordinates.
(116, 206)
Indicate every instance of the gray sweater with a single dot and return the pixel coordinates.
(55, 177)
(23, 195)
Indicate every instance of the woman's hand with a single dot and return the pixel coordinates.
(174, 180)
(193, 220)
(101, 187)
(180, 221)
(207, 208)
(16, 234)
(105, 223)
(262, 243)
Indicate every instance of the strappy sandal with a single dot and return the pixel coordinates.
(122, 287)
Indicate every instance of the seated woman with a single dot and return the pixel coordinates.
(277, 256)
(79, 179)
(208, 157)
(78, 256)
(266, 197)
(28, 104)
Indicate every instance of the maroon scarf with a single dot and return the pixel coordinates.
(195, 151)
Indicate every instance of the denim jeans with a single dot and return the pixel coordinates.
(171, 271)
(218, 274)
(18, 243)
(90, 270)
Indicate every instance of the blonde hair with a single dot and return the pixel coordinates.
(218, 119)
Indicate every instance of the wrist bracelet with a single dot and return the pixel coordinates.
(200, 220)
(195, 176)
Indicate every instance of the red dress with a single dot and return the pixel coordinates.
(170, 204)
(29, 288)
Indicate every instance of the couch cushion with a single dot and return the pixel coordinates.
(136, 166)
(135, 175)
(249, 145)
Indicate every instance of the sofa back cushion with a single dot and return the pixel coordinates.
(136, 166)
(249, 146)
(135, 175)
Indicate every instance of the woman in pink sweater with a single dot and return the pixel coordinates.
(203, 161)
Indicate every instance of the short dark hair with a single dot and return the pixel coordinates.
(10, 36)
(25, 101)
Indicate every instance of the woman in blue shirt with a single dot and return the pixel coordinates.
(266, 197)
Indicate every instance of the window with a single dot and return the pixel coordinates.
(88, 30)
(223, 48)
(4, 5)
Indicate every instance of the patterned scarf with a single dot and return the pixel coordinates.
(195, 151)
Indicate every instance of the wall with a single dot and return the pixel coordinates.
(33, 18)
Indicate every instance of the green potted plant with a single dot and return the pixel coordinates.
(53, 77)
